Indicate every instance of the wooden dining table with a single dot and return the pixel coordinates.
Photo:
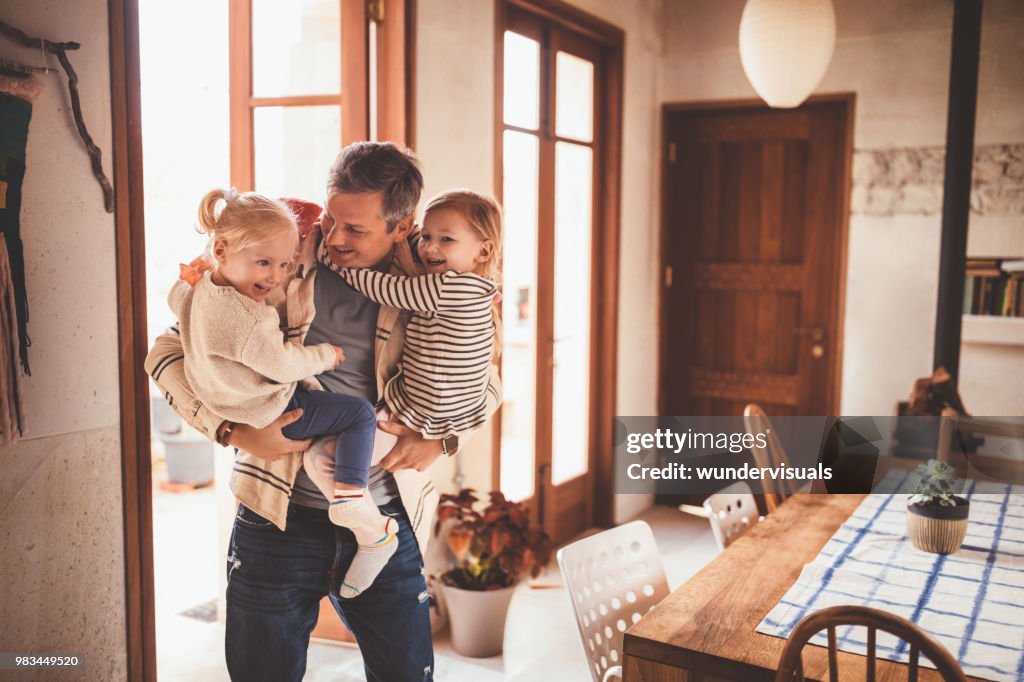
(705, 630)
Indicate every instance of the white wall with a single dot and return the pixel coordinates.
(895, 56)
(61, 535)
(455, 140)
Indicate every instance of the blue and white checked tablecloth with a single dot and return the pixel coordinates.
(971, 601)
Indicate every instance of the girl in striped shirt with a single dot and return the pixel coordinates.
(441, 385)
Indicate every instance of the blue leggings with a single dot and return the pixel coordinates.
(353, 419)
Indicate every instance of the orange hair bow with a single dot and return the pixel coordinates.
(193, 272)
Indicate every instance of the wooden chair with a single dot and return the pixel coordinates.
(775, 491)
(613, 577)
(732, 512)
(791, 664)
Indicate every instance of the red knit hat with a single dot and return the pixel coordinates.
(307, 214)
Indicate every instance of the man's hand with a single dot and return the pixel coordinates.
(269, 443)
(412, 451)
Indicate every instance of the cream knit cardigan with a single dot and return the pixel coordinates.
(236, 357)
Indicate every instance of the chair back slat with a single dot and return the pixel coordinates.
(833, 664)
(872, 656)
(874, 620)
(613, 578)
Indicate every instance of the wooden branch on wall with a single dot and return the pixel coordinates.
(60, 50)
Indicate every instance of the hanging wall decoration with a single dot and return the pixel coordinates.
(17, 91)
(18, 88)
(60, 50)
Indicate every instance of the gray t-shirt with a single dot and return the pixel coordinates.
(348, 319)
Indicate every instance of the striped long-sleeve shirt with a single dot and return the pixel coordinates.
(441, 385)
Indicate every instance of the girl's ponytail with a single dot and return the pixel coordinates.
(208, 213)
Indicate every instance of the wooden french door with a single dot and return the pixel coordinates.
(553, 169)
(754, 257)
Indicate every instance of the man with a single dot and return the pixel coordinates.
(285, 554)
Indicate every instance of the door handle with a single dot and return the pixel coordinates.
(817, 335)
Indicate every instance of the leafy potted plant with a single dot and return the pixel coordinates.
(936, 518)
(494, 548)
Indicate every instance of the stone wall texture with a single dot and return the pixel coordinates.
(909, 181)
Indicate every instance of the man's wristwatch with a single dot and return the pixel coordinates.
(224, 431)
(450, 445)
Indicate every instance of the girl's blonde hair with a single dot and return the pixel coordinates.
(483, 214)
(242, 220)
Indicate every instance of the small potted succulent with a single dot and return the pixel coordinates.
(936, 518)
(494, 547)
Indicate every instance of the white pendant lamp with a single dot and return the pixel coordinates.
(785, 47)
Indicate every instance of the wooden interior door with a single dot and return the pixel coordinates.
(754, 238)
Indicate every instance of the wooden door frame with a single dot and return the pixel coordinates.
(842, 218)
(136, 474)
(607, 203)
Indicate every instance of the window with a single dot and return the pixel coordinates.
(558, 104)
(301, 87)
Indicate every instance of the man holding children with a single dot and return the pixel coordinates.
(411, 322)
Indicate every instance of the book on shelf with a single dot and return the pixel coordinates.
(994, 286)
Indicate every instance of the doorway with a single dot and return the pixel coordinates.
(559, 111)
(754, 234)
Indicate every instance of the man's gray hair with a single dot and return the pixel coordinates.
(366, 167)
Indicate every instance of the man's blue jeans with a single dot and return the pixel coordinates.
(277, 579)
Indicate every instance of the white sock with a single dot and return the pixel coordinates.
(376, 547)
(356, 512)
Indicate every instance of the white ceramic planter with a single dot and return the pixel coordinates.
(477, 619)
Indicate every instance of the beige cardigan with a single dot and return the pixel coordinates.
(265, 487)
(236, 358)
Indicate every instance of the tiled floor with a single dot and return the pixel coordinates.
(187, 559)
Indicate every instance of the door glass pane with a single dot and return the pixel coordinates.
(570, 443)
(519, 315)
(296, 47)
(522, 81)
(294, 147)
(574, 97)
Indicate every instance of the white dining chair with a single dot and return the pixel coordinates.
(613, 577)
(732, 511)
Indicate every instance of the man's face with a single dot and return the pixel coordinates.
(355, 232)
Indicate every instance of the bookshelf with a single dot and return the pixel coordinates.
(994, 287)
(994, 302)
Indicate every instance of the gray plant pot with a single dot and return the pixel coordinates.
(189, 459)
(163, 418)
(477, 619)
